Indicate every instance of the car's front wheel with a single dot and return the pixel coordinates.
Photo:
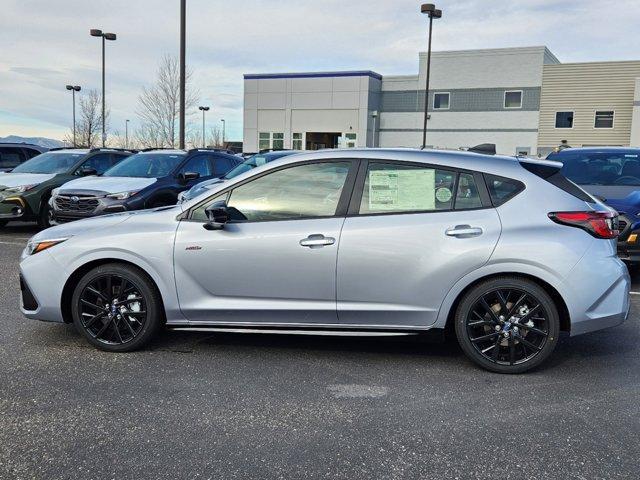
(117, 307)
(507, 324)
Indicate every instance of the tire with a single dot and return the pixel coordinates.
(126, 326)
(44, 215)
(507, 324)
(3, 223)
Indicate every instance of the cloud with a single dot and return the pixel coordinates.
(46, 47)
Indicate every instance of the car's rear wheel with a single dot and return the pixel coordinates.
(117, 307)
(507, 324)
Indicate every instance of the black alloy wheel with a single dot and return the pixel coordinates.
(116, 307)
(507, 325)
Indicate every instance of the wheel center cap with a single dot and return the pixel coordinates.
(506, 326)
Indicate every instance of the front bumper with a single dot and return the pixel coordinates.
(65, 208)
(42, 281)
(12, 208)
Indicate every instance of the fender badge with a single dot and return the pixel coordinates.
(194, 247)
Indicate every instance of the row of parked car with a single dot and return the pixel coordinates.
(63, 185)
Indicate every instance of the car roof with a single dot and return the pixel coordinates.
(163, 152)
(22, 144)
(596, 150)
(70, 150)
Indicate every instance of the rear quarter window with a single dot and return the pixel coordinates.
(502, 189)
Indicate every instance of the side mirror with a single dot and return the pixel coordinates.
(87, 171)
(188, 176)
(218, 215)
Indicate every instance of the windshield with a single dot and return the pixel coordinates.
(256, 161)
(600, 168)
(146, 165)
(50, 162)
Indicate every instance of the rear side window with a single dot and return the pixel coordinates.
(502, 189)
(10, 157)
(393, 188)
(467, 195)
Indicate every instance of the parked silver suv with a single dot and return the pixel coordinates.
(502, 250)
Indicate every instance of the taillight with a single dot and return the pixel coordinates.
(598, 224)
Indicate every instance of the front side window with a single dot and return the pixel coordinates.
(441, 101)
(50, 162)
(10, 157)
(146, 165)
(513, 99)
(221, 165)
(100, 162)
(393, 188)
(197, 164)
(604, 119)
(564, 119)
(304, 191)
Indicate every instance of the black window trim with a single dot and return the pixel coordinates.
(341, 208)
(356, 198)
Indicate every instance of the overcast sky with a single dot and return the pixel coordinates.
(45, 44)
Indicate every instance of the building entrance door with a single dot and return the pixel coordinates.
(320, 140)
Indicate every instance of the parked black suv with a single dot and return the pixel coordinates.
(13, 154)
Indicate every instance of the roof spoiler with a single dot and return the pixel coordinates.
(484, 148)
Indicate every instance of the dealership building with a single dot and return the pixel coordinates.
(522, 99)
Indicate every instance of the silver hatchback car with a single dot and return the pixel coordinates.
(503, 252)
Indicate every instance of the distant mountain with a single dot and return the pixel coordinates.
(43, 142)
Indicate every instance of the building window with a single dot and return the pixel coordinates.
(297, 141)
(604, 119)
(513, 99)
(351, 140)
(564, 119)
(278, 141)
(441, 101)
(264, 142)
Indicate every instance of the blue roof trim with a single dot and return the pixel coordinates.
(357, 73)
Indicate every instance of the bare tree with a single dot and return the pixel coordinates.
(215, 137)
(159, 106)
(89, 123)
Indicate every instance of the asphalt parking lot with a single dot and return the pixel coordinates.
(280, 406)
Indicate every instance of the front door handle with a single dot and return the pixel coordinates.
(317, 241)
(463, 231)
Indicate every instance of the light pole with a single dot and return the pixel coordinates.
(126, 133)
(204, 109)
(74, 89)
(94, 32)
(183, 28)
(223, 128)
(430, 10)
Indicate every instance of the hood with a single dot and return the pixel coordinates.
(629, 204)
(19, 179)
(81, 226)
(107, 184)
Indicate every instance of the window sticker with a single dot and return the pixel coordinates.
(443, 194)
(391, 190)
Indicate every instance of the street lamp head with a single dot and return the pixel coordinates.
(437, 13)
(69, 87)
(94, 32)
(77, 88)
(427, 8)
(110, 36)
(204, 109)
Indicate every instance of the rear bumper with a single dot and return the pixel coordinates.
(597, 291)
(629, 247)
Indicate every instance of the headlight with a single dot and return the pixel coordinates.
(34, 247)
(21, 188)
(121, 195)
(55, 191)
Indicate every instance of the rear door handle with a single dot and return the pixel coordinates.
(316, 241)
(463, 231)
